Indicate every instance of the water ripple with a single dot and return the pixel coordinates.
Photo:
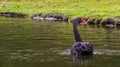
(96, 52)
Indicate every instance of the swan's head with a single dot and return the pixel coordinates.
(81, 20)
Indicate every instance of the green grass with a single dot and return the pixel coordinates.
(103, 8)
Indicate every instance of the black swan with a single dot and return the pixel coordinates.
(80, 48)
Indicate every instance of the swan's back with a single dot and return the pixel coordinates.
(82, 48)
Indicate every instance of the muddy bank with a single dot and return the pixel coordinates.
(91, 20)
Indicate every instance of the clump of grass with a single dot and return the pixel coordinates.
(95, 19)
(116, 21)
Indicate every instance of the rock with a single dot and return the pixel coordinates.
(37, 16)
(55, 17)
(109, 22)
(118, 24)
(13, 14)
(50, 17)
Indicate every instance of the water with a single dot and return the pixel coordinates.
(28, 43)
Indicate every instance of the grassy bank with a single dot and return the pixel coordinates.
(103, 8)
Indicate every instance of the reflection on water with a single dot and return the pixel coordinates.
(96, 52)
(78, 61)
(28, 43)
(109, 32)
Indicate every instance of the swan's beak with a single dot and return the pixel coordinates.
(83, 21)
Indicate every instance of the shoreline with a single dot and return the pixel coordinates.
(92, 20)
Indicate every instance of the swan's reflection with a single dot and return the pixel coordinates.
(79, 61)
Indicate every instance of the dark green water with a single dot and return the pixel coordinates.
(28, 43)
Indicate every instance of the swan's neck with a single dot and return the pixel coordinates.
(76, 33)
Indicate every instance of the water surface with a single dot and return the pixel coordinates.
(28, 43)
